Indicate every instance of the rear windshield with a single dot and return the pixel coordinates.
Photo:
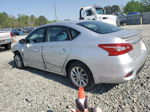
(99, 27)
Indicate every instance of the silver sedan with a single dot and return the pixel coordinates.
(89, 52)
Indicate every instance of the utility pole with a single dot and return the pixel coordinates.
(55, 11)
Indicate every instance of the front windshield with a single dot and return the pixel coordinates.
(99, 10)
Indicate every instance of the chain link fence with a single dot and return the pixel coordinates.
(143, 18)
(146, 18)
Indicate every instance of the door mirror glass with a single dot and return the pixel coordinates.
(22, 41)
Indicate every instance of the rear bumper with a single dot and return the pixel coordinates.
(114, 69)
(138, 67)
(6, 41)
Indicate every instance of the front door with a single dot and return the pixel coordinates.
(32, 51)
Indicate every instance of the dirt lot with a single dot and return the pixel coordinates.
(33, 90)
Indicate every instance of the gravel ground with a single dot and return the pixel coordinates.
(33, 90)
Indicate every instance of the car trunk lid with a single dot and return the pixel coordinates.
(133, 37)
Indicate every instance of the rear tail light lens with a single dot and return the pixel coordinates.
(116, 49)
(11, 34)
(129, 74)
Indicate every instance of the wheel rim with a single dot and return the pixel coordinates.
(18, 61)
(79, 77)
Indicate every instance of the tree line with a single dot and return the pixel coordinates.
(137, 6)
(132, 6)
(8, 21)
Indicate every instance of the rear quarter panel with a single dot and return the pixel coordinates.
(85, 49)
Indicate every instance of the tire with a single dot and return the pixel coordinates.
(7, 46)
(18, 61)
(80, 75)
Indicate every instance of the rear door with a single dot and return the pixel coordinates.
(32, 51)
(57, 48)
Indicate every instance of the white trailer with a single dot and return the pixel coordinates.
(98, 13)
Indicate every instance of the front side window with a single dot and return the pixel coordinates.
(37, 36)
(57, 34)
(99, 27)
(88, 13)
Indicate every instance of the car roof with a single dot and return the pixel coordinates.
(92, 6)
(66, 23)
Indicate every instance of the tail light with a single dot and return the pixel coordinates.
(129, 74)
(116, 49)
(11, 34)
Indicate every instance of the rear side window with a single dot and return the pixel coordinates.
(99, 27)
(57, 33)
(74, 33)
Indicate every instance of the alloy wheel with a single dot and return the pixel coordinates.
(79, 77)
(18, 61)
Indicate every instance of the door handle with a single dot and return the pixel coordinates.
(105, 17)
(36, 49)
(62, 50)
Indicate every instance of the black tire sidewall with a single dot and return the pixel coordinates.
(22, 65)
(7, 47)
(88, 72)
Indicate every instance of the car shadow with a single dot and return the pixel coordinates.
(102, 88)
(98, 89)
(50, 111)
(3, 49)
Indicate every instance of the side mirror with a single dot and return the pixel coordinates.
(22, 41)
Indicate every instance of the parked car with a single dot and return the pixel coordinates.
(122, 18)
(89, 52)
(19, 31)
(6, 38)
(29, 29)
(15, 32)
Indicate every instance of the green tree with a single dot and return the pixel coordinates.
(23, 20)
(112, 9)
(42, 20)
(133, 6)
(9, 21)
(146, 2)
(4, 19)
(115, 8)
(32, 20)
(108, 9)
(146, 5)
